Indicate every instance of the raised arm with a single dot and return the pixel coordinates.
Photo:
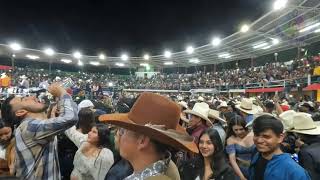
(53, 126)
(75, 136)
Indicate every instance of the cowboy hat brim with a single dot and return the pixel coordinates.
(315, 131)
(197, 114)
(254, 109)
(217, 118)
(183, 118)
(175, 138)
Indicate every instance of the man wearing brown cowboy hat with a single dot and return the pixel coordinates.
(309, 143)
(146, 133)
(199, 120)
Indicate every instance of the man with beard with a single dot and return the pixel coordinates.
(36, 142)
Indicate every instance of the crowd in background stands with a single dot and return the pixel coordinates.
(233, 78)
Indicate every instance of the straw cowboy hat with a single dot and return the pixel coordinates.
(156, 117)
(222, 104)
(85, 104)
(215, 115)
(287, 119)
(304, 124)
(23, 77)
(247, 106)
(201, 110)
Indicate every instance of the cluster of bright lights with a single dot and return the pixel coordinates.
(168, 63)
(194, 60)
(120, 64)
(225, 55)
(33, 57)
(310, 27)
(94, 63)
(216, 41)
(66, 61)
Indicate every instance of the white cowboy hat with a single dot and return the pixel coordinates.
(183, 104)
(222, 104)
(23, 77)
(200, 98)
(304, 124)
(215, 115)
(201, 110)
(247, 106)
(57, 78)
(287, 119)
(85, 104)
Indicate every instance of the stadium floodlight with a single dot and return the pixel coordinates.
(309, 27)
(95, 63)
(33, 57)
(168, 63)
(15, 46)
(317, 31)
(216, 41)
(244, 28)
(224, 55)
(66, 61)
(260, 45)
(49, 51)
(146, 57)
(189, 49)
(13, 55)
(102, 56)
(266, 47)
(120, 64)
(144, 64)
(77, 55)
(80, 63)
(194, 60)
(279, 4)
(275, 41)
(124, 57)
(167, 54)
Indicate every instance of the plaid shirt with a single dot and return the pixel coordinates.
(36, 147)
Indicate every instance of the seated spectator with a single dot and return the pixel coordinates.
(7, 150)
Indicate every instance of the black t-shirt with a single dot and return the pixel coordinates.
(260, 167)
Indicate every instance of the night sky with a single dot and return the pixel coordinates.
(114, 26)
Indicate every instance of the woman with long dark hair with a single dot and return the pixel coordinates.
(240, 146)
(94, 157)
(211, 164)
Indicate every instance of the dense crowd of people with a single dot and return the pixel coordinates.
(72, 129)
(152, 136)
(237, 78)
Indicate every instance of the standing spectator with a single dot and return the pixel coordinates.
(270, 162)
(247, 109)
(309, 143)
(146, 133)
(198, 120)
(240, 146)
(36, 142)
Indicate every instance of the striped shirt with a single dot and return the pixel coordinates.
(36, 143)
